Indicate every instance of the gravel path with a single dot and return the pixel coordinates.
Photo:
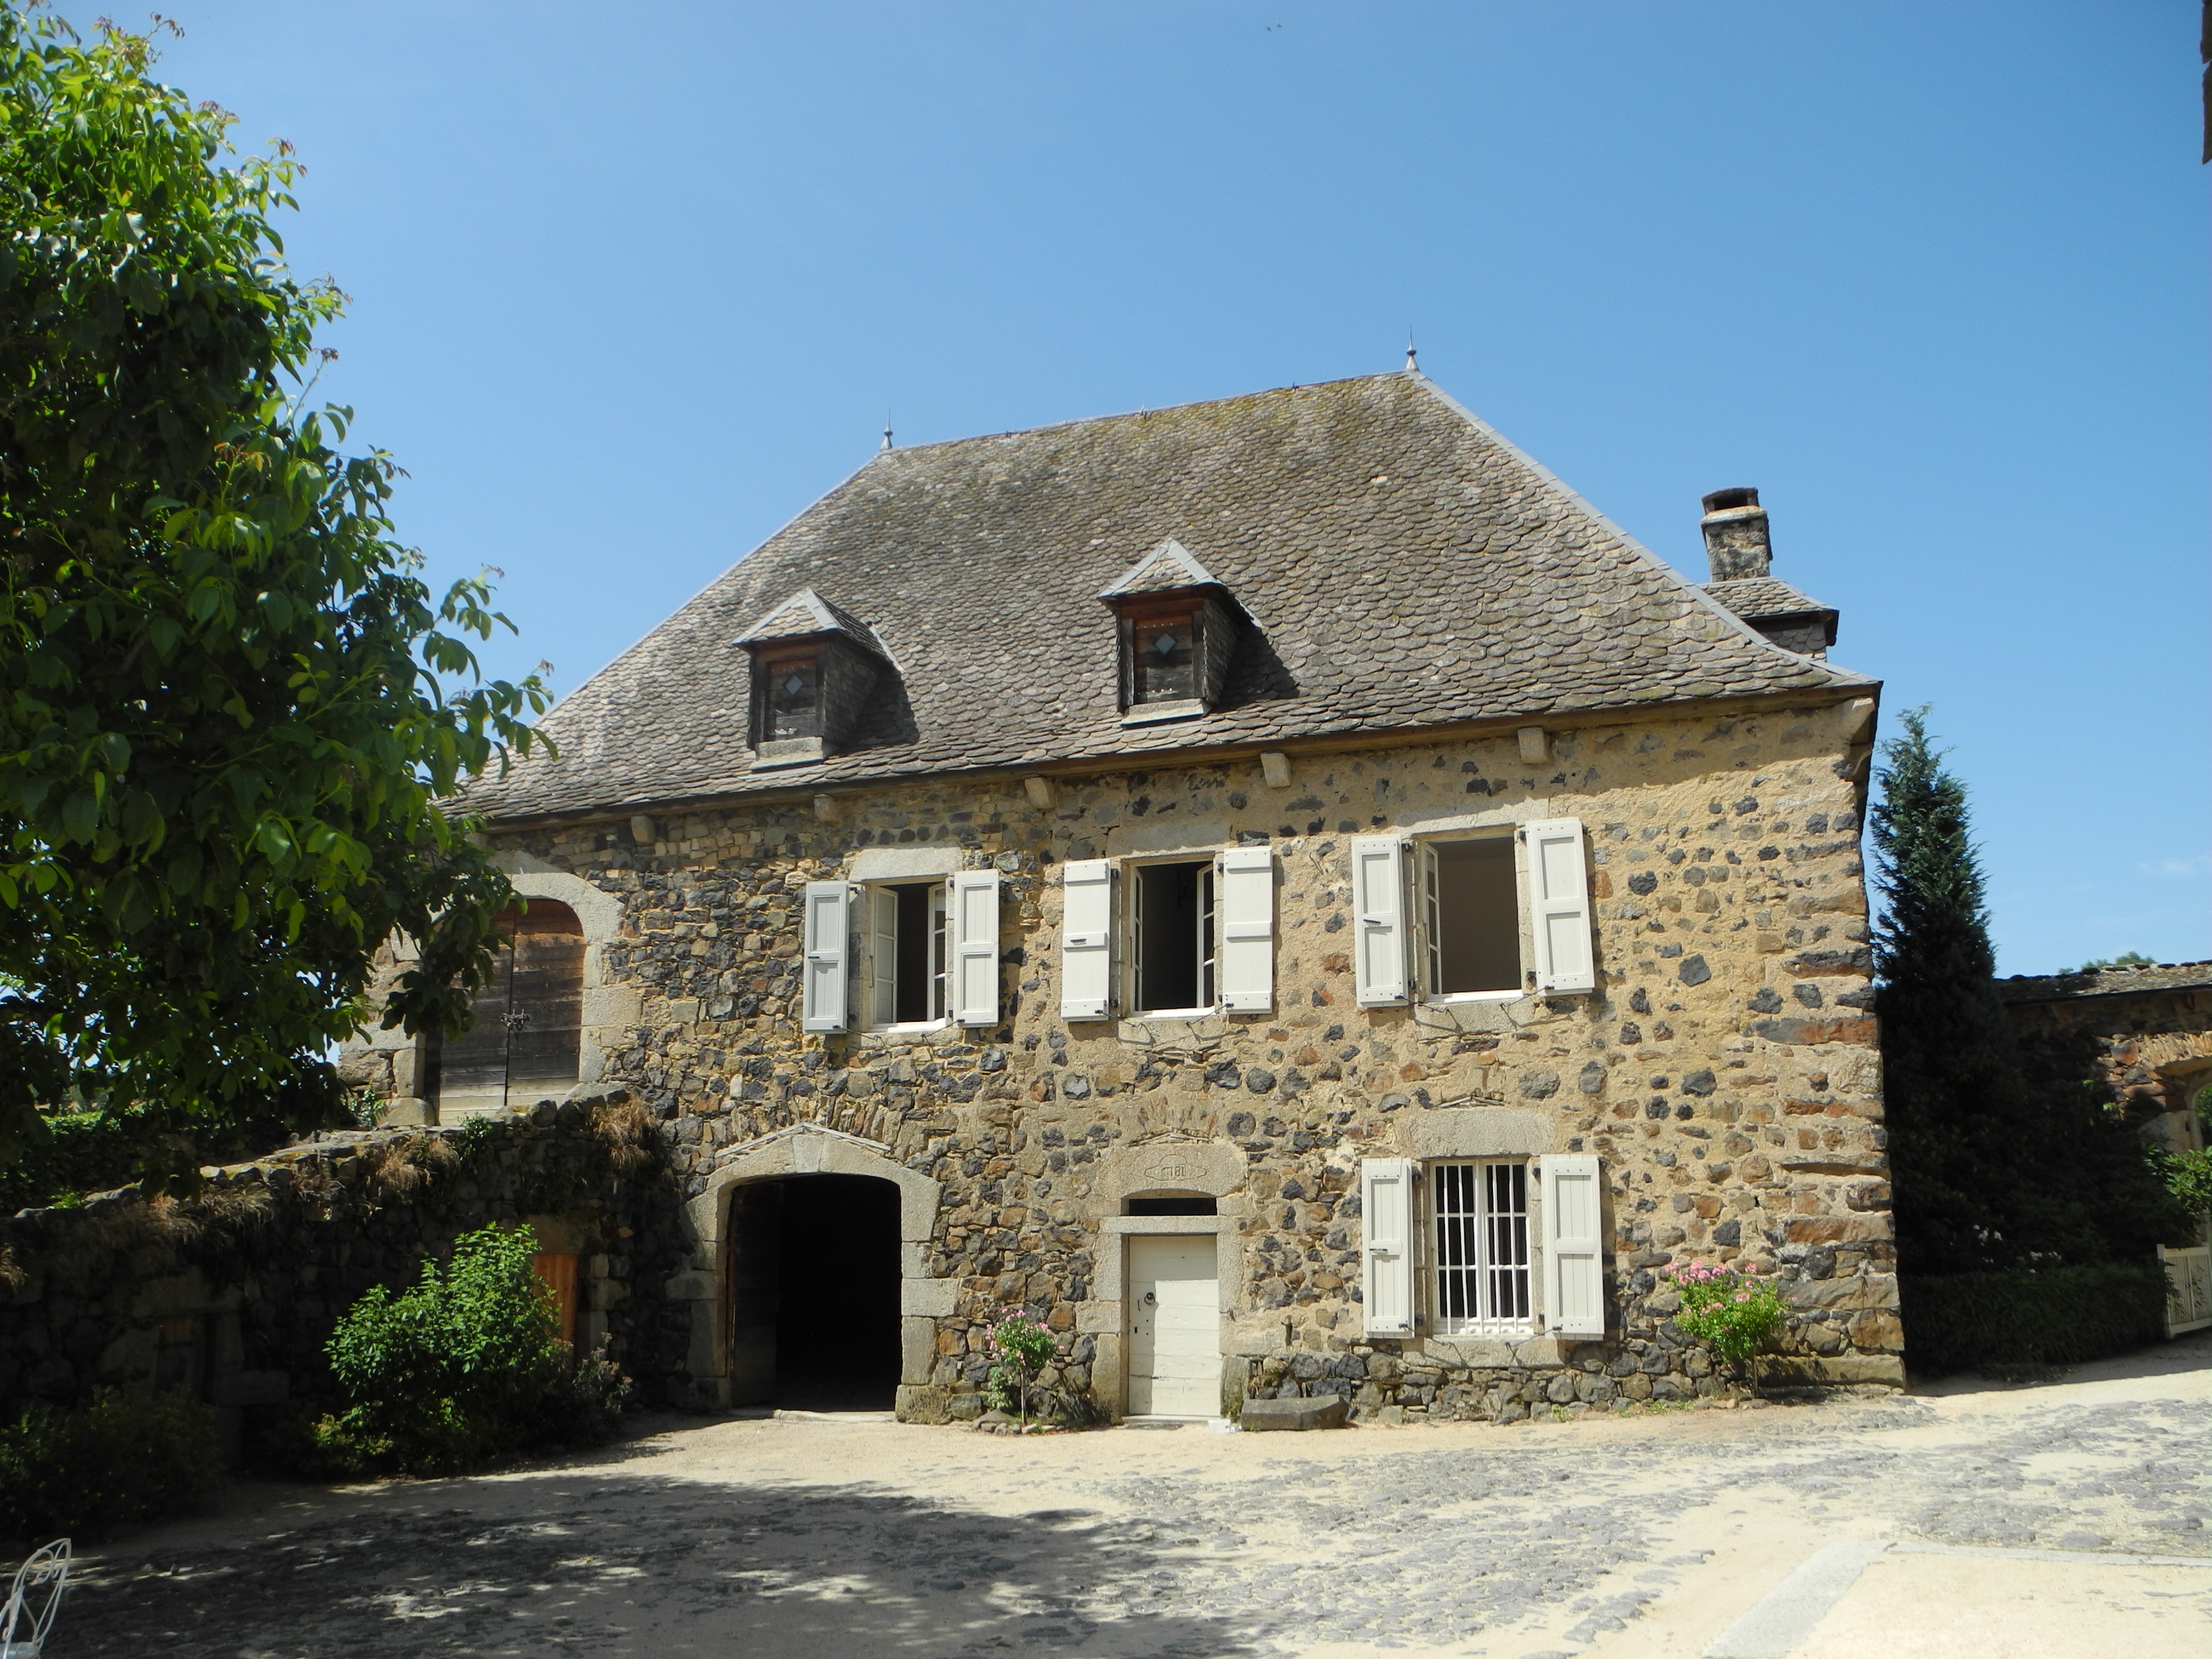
(794, 1539)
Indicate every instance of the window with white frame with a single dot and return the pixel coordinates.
(1457, 1236)
(1470, 917)
(1480, 1262)
(1172, 941)
(906, 954)
(1176, 937)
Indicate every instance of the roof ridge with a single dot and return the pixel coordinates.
(1139, 414)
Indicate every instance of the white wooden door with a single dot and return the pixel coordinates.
(1175, 1328)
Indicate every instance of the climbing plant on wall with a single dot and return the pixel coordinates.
(229, 704)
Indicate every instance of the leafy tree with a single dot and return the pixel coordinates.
(465, 1366)
(229, 705)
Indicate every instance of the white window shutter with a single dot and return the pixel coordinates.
(1559, 906)
(1574, 1245)
(1386, 1222)
(974, 926)
(1086, 939)
(1378, 904)
(826, 979)
(1248, 929)
(879, 938)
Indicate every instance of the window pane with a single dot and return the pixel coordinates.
(1171, 910)
(1165, 664)
(794, 699)
(1476, 916)
(1457, 1202)
(1505, 1242)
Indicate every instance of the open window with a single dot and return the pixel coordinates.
(1172, 917)
(908, 955)
(1470, 918)
(1481, 1265)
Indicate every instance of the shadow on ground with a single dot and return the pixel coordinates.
(576, 1559)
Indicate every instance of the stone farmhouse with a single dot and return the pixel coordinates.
(1281, 888)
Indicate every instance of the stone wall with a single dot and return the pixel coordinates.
(1725, 1070)
(2144, 1034)
(233, 1293)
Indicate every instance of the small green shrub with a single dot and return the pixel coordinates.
(1019, 1349)
(462, 1367)
(82, 1471)
(2052, 1317)
(1736, 1315)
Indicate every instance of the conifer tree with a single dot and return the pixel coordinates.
(1952, 1075)
(1992, 1166)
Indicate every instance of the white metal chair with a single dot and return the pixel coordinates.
(25, 1619)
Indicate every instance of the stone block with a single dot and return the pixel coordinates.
(1273, 1416)
(932, 1298)
(921, 1402)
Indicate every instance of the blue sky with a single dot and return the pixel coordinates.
(631, 286)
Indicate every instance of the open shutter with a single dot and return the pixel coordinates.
(879, 939)
(974, 927)
(1248, 929)
(1378, 903)
(1574, 1245)
(1386, 1220)
(1086, 939)
(829, 920)
(1559, 905)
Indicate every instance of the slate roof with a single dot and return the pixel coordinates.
(2106, 982)
(807, 613)
(1402, 565)
(1765, 597)
(1168, 569)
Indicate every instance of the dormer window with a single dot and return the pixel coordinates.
(816, 670)
(1165, 658)
(793, 687)
(1177, 632)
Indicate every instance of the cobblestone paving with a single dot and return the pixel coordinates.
(1500, 1541)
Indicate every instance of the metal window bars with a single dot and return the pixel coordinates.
(1482, 1261)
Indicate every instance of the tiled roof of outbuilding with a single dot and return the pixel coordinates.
(1401, 563)
(2107, 982)
(1762, 597)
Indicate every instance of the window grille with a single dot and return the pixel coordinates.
(1482, 1246)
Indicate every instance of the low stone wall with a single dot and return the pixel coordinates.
(232, 1294)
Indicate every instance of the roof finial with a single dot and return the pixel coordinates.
(887, 428)
(1413, 367)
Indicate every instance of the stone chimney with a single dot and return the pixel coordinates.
(1736, 544)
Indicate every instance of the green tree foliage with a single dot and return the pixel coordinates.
(1992, 1168)
(229, 704)
(84, 1470)
(464, 1366)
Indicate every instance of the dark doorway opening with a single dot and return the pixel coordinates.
(815, 1282)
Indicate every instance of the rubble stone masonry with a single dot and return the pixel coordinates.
(1725, 1070)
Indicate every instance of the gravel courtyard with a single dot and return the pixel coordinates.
(1648, 1536)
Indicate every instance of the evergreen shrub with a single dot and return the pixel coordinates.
(463, 1368)
(2049, 1317)
(82, 1471)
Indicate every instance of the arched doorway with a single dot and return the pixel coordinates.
(526, 1044)
(814, 1292)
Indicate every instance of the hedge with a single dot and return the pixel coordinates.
(2056, 1317)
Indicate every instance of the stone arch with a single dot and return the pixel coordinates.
(607, 1008)
(803, 1149)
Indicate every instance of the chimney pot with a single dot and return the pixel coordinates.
(1737, 545)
